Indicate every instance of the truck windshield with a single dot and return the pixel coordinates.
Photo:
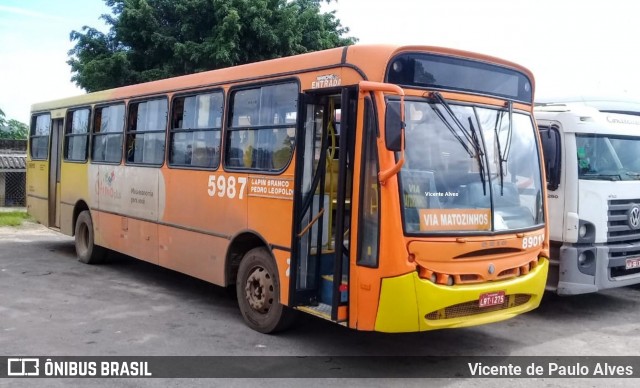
(607, 157)
(444, 187)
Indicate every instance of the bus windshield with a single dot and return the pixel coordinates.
(606, 157)
(480, 174)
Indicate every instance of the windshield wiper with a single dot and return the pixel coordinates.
(606, 177)
(452, 130)
(500, 168)
(471, 138)
(481, 167)
(503, 155)
(507, 146)
(632, 175)
(461, 127)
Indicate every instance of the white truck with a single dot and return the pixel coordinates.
(592, 162)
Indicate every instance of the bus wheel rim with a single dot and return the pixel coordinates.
(259, 290)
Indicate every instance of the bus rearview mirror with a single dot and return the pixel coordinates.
(393, 127)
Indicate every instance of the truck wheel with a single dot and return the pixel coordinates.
(258, 293)
(86, 249)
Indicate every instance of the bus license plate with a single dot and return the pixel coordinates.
(633, 263)
(491, 299)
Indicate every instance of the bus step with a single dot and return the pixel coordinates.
(322, 310)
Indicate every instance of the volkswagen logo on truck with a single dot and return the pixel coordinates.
(633, 217)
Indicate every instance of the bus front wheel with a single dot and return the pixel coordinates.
(258, 293)
(86, 249)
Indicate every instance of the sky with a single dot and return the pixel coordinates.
(574, 48)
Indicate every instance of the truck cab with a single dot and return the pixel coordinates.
(593, 189)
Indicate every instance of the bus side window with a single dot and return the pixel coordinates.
(195, 130)
(146, 129)
(369, 223)
(77, 135)
(260, 135)
(108, 126)
(40, 130)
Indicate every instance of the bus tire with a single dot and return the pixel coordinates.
(86, 250)
(258, 293)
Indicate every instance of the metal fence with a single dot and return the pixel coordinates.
(12, 189)
(13, 173)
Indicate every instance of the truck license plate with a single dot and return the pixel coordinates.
(633, 263)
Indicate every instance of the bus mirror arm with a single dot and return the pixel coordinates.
(392, 132)
(386, 174)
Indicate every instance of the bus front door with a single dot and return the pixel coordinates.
(322, 205)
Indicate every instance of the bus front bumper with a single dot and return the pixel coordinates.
(409, 303)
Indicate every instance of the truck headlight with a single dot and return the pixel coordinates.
(582, 231)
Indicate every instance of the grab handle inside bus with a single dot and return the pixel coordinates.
(393, 130)
(310, 224)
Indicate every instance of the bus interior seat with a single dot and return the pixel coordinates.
(201, 157)
(261, 159)
(235, 157)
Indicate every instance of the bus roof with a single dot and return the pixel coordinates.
(370, 60)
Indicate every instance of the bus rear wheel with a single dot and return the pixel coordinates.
(86, 249)
(258, 293)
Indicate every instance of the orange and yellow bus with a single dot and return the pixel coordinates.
(385, 188)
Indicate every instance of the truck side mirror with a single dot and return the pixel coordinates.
(394, 126)
(551, 149)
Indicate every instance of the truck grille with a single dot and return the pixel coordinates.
(618, 255)
(618, 226)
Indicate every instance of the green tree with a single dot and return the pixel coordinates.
(12, 129)
(153, 39)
